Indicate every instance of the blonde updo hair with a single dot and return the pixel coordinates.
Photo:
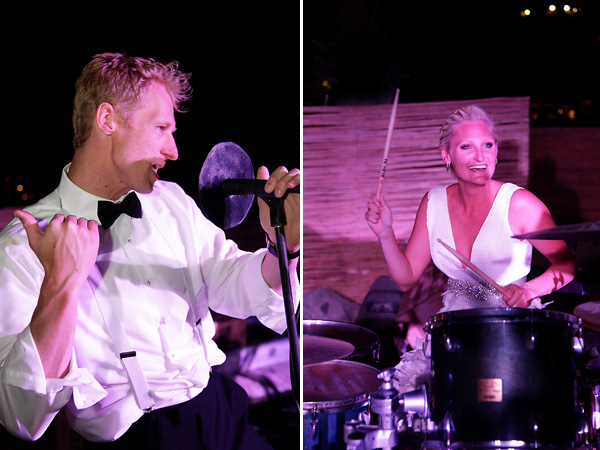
(121, 81)
(461, 115)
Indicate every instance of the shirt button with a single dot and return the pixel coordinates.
(130, 241)
(148, 283)
(163, 321)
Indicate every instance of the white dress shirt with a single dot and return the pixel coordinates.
(146, 269)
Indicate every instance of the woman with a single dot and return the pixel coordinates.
(477, 216)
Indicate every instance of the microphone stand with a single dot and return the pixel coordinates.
(278, 221)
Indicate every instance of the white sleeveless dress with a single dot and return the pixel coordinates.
(504, 259)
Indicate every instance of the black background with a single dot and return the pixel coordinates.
(437, 51)
(245, 64)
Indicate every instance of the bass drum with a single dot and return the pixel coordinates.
(503, 378)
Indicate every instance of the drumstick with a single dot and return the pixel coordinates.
(473, 267)
(388, 141)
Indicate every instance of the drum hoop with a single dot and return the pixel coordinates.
(499, 315)
(333, 406)
(461, 445)
(341, 404)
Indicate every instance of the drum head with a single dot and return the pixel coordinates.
(338, 385)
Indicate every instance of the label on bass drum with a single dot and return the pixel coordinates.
(489, 390)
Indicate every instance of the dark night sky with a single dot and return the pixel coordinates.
(246, 80)
(438, 51)
(246, 67)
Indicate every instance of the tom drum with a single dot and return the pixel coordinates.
(503, 378)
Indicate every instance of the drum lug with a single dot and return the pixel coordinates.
(313, 427)
(578, 345)
(595, 407)
(448, 343)
(530, 344)
(427, 346)
(582, 425)
(448, 428)
(365, 416)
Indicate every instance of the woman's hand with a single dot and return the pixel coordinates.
(379, 216)
(518, 296)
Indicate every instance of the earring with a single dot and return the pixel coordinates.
(496, 160)
(448, 165)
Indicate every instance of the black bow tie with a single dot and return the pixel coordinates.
(108, 212)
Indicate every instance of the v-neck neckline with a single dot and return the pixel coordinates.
(469, 256)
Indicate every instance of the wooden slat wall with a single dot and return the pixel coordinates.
(565, 172)
(342, 158)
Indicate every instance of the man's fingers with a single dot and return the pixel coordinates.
(262, 173)
(280, 180)
(30, 224)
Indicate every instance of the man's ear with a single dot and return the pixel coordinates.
(105, 118)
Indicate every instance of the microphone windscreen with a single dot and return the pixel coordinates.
(225, 161)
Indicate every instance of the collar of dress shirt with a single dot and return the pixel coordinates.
(76, 201)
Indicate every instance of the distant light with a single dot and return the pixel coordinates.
(572, 114)
(326, 84)
(20, 187)
(552, 8)
(525, 12)
(566, 8)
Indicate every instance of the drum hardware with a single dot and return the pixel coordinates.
(504, 378)
(447, 428)
(340, 373)
(595, 413)
(313, 426)
(385, 404)
(584, 231)
(524, 390)
(582, 424)
(334, 393)
(395, 414)
(578, 343)
(589, 314)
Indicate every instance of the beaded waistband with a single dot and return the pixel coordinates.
(481, 291)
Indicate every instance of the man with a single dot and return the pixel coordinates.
(111, 320)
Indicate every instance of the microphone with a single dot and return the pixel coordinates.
(227, 186)
(247, 186)
(225, 160)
